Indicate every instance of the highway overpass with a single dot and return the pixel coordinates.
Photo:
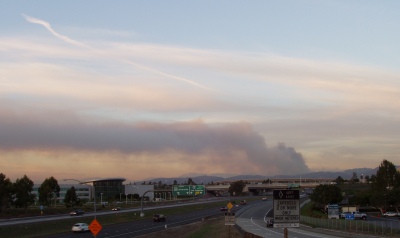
(260, 187)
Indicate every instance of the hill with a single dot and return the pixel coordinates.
(205, 179)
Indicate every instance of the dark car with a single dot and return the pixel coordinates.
(243, 202)
(77, 212)
(270, 222)
(224, 209)
(159, 217)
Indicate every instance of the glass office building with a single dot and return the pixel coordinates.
(107, 189)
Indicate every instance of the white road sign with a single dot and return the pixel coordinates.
(286, 208)
(230, 219)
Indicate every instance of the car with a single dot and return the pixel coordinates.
(359, 215)
(390, 214)
(264, 198)
(80, 227)
(116, 209)
(159, 217)
(270, 222)
(224, 209)
(243, 202)
(77, 212)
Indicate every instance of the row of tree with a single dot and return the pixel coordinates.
(20, 193)
(383, 192)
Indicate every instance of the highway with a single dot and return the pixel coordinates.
(142, 227)
(252, 218)
(27, 220)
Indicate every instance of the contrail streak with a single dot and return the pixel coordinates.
(71, 41)
(170, 76)
(48, 27)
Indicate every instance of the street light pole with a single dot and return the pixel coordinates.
(386, 213)
(94, 192)
(141, 204)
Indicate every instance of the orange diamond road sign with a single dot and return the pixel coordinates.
(229, 205)
(95, 227)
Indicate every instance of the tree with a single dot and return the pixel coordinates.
(387, 177)
(339, 180)
(5, 192)
(23, 188)
(136, 196)
(71, 198)
(190, 182)
(48, 190)
(385, 185)
(325, 194)
(354, 179)
(175, 182)
(361, 198)
(237, 187)
(367, 179)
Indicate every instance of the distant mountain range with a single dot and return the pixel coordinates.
(205, 179)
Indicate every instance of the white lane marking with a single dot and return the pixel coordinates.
(263, 228)
(266, 215)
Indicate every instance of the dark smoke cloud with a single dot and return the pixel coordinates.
(191, 138)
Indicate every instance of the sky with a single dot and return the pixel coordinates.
(147, 89)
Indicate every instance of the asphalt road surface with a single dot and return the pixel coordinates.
(253, 217)
(136, 228)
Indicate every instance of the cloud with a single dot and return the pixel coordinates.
(102, 53)
(49, 28)
(229, 146)
(313, 106)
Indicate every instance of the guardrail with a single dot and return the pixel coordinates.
(383, 227)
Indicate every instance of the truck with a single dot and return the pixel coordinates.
(354, 215)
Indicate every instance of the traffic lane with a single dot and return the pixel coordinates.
(253, 219)
(258, 227)
(44, 218)
(256, 209)
(142, 227)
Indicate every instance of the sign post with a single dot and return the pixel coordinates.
(286, 208)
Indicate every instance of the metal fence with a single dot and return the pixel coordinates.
(386, 227)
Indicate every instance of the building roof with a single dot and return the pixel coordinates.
(104, 179)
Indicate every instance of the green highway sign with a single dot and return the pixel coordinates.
(187, 190)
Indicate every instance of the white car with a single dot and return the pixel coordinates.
(80, 227)
(390, 214)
